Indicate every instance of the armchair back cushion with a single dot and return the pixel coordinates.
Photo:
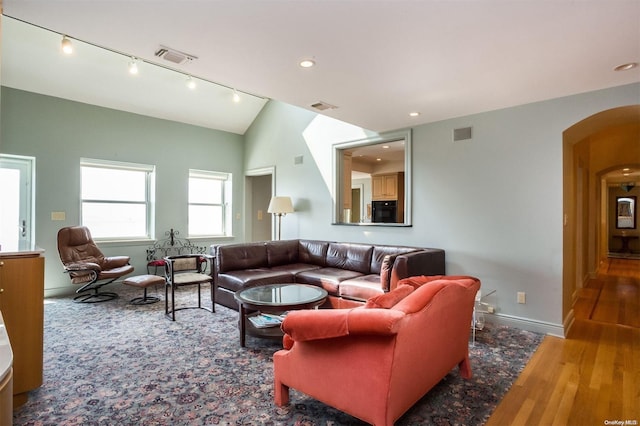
(76, 245)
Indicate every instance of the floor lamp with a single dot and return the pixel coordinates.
(280, 206)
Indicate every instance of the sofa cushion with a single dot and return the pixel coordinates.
(389, 300)
(251, 277)
(360, 288)
(282, 252)
(294, 268)
(327, 278)
(313, 252)
(241, 256)
(353, 257)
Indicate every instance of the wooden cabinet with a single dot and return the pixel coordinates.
(388, 186)
(22, 306)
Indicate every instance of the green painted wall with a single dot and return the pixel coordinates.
(58, 132)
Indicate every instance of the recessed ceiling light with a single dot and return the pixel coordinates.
(236, 96)
(625, 67)
(414, 114)
(626, 169)
(385, 146)
(307, 63)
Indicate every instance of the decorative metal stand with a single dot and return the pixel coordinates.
(170, 246)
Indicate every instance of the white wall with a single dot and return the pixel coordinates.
(58, 132)
(494, 203)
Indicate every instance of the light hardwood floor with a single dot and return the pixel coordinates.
(593, 376)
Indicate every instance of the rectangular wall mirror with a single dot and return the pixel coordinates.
(373, 181)
(626, 212)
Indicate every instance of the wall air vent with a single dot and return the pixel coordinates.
(322, 106)
(462, 134)
(172, 55)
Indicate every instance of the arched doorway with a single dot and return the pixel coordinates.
(592, 149)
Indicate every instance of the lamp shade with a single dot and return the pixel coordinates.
(280, 205)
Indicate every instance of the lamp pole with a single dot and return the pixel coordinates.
(280, 225)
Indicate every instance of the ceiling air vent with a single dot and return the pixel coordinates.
(175, 56)
(322, 106)
(462, 134)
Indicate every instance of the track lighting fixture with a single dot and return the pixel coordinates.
(133, 66)
(191, 83)
(66, 45)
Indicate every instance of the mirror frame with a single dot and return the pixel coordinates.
(633, 210)
(339, 167)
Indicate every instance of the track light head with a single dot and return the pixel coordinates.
(133, 66)
(66, 45)
(191, 83)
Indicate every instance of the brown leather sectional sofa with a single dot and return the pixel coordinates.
(350, 272)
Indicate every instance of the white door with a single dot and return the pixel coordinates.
(16, 202)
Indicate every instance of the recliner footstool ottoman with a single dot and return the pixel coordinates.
(144, 281)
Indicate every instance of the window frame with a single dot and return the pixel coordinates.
(226, 180)
(149, 203)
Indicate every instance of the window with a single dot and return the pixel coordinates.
(209, 203)
(116, 199)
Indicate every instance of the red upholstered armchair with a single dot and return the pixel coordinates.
(375, 362)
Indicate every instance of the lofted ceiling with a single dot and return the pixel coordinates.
(376, 61)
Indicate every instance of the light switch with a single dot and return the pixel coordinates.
(259, 214)
(58, 216)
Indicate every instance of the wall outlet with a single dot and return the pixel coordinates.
(491, 309)
(522, 297)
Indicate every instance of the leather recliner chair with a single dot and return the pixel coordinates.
(87, 266)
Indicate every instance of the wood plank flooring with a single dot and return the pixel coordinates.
(593, 376)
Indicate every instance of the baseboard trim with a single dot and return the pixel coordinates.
(528, 324)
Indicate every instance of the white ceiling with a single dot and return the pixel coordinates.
(375, 60)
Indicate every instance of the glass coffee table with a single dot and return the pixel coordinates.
(274, 299)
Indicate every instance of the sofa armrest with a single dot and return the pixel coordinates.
(305, 325)
(423, 262)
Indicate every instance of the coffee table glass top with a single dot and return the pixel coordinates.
(281, 294)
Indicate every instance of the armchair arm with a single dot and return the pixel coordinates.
(115, 261)
(305, 325)
(85, 266)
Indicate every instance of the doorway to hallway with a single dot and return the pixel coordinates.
(259, 223)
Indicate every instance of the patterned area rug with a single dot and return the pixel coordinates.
(114, 363)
